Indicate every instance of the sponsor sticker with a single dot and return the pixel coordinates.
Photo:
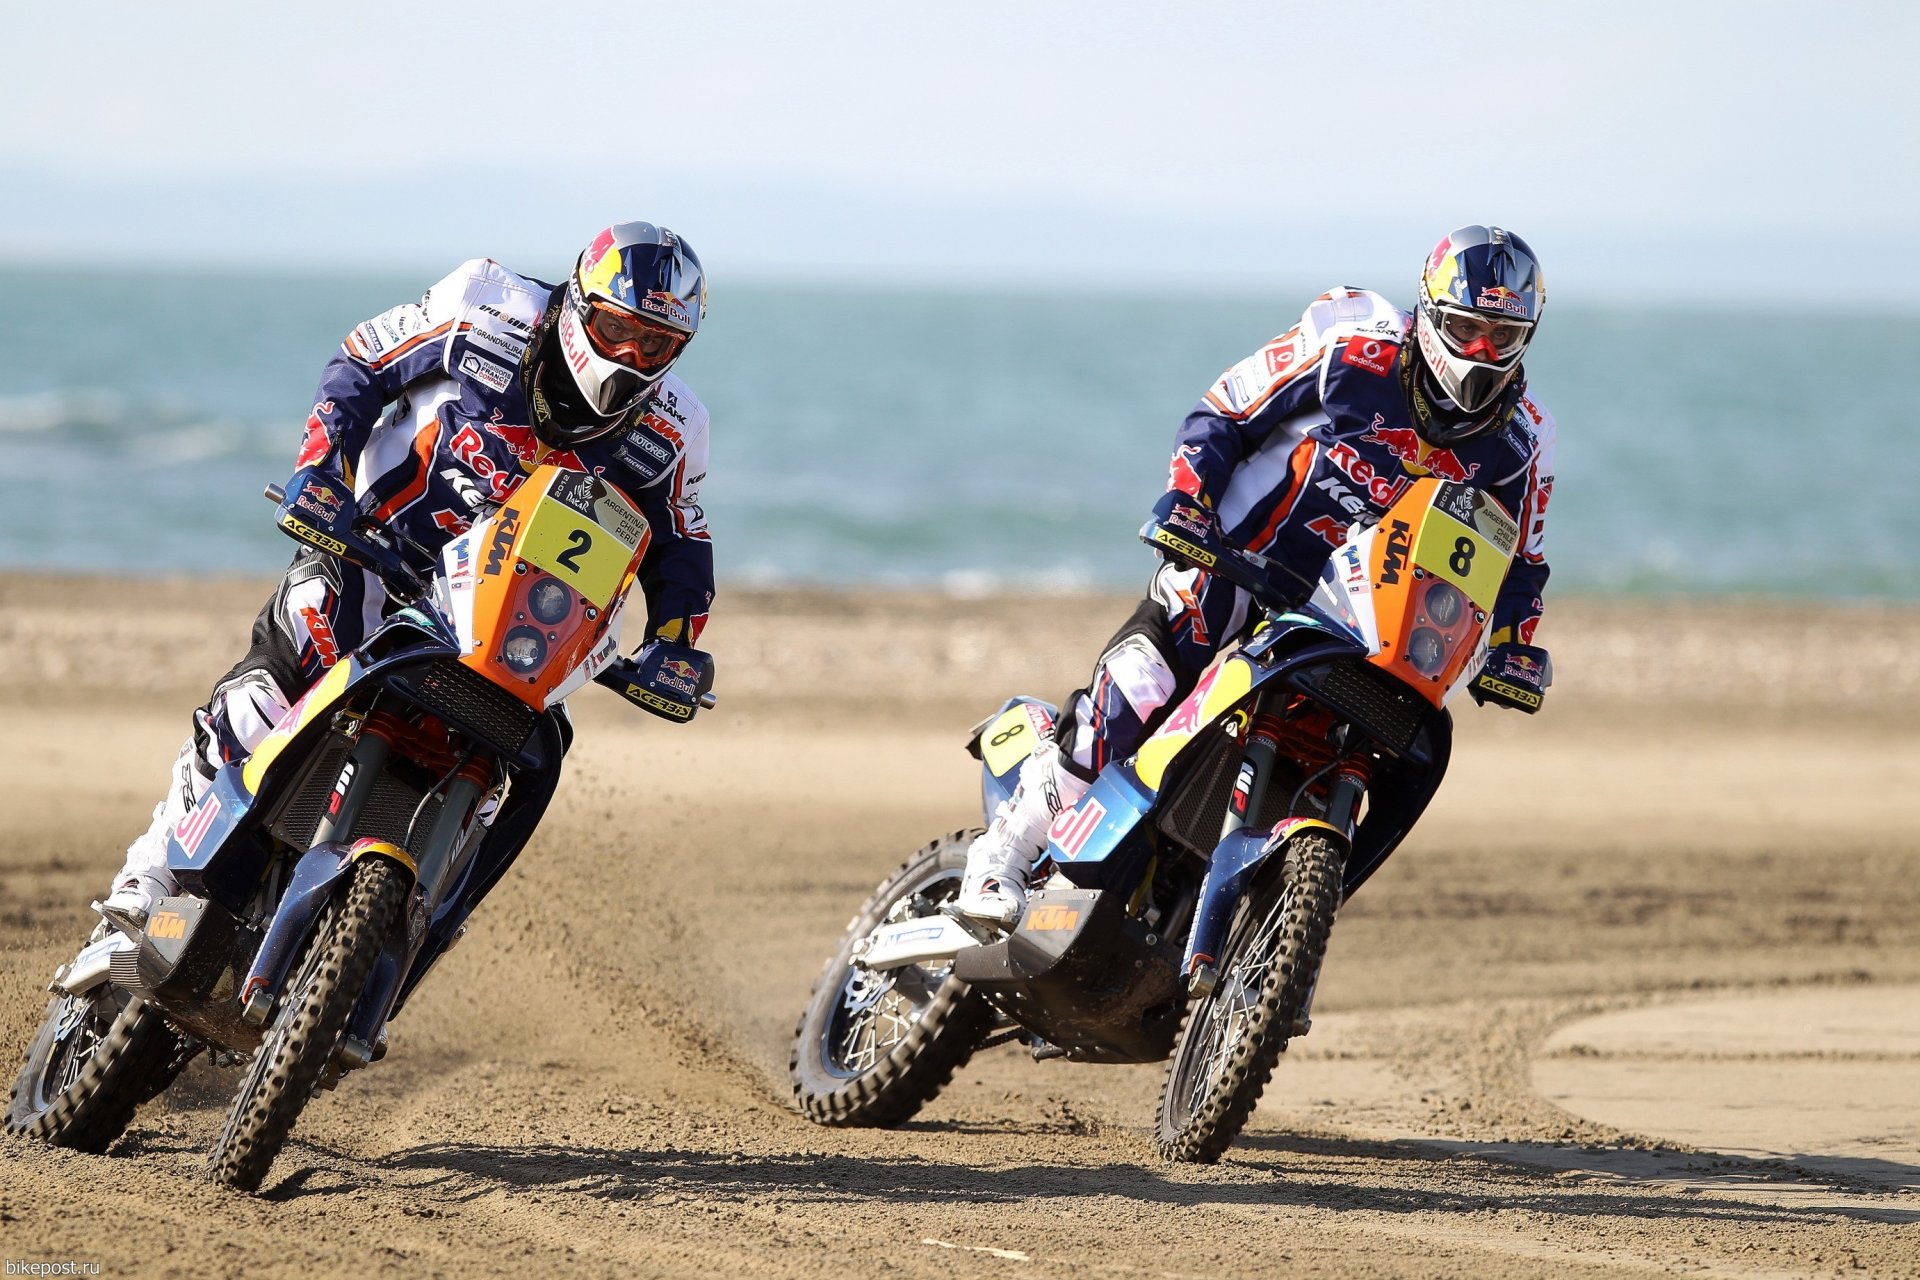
(194, 827)
(1173, 542)
(647, 698)
(1072, 828)
(1371, 354)
(486, 372)
(1051, 916)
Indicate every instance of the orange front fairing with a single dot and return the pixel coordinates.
(548, 571)
(1435, 564)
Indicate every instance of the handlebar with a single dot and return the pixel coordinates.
(1248, 570)
(334, 525)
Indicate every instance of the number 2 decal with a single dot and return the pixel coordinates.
(578, 544)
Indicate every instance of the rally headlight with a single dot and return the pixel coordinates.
(1444, 604)
(1426, 650)
(524, 650)
(549, 601)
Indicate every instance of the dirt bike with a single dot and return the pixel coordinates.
(1183, 906)
(321, 878)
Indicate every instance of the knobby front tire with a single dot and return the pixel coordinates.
(306, 1029)
(1231, 1039)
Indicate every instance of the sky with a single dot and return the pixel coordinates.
(1649, 151)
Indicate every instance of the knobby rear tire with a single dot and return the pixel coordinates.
(1231, 1039)
(312, 1016)
(134, 1057)
(943, 1033)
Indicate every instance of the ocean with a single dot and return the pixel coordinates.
(974, 441)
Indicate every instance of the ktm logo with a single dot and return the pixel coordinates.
(167, 924)
(1052, 916)
(1399, 547)
(503, 539)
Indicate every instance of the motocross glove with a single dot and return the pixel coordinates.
(1184, 530)
(1514, 675)
(665, 678)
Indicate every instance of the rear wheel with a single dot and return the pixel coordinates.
(96, 1058)
(1233, 1036)
(305, 1033)
(873, 1048)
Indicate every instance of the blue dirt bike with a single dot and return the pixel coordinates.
(1183, 906)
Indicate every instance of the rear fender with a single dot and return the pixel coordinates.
(1235, 860)
(312, 883)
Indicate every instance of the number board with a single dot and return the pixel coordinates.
(1462, 555)
(1007, 741)
(584, 532)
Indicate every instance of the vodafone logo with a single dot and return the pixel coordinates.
(1370, 354)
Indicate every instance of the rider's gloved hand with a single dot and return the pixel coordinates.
(1185, 530)
(1514, 675)
(668, 679)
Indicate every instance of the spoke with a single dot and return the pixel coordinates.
(879, 1010)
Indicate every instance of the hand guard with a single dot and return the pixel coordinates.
(1184, 531)
(667, 679)
(1515, 676)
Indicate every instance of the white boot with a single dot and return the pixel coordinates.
(146, 875)
(1001, 859)
(245, 710)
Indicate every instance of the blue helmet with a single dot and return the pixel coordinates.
(632, 303)
(1481, 295)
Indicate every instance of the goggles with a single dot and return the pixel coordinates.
(626, 339)
(1477, 337)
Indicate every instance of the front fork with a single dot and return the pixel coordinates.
(438, 865)
(1240, 851)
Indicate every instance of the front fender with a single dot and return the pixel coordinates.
(314, 877)
(1235, 860)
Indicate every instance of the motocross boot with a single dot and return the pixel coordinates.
(145, 876)
(240, 714)
(1002, 857)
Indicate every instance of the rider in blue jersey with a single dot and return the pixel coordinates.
(433, 412)
(1317, 431)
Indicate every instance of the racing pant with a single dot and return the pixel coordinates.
(1151, 662)
(323, 609)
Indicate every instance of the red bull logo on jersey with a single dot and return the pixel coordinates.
(1405, 444)
(1181, 476)
(1500, 298)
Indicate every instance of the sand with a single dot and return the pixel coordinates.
(1639, 997)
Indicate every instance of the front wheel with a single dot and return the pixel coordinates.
(96, 1058)
(306, 1030)
(1233, 1036)
(873, 1048)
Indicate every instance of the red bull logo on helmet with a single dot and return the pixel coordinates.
(1497, 297)
(1405, 444)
